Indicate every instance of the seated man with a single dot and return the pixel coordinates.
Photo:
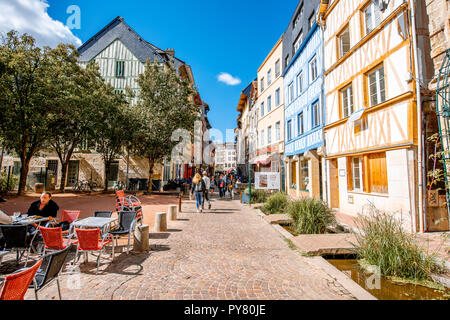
(45, 207)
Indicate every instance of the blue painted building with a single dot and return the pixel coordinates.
(304, 117)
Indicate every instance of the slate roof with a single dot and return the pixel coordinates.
(118, 29)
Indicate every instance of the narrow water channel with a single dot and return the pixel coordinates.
(389, 290)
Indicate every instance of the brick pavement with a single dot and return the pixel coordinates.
(227, 253)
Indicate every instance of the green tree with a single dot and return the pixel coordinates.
(78, 104)
(115, 127)
(25, 98)
(164, 105)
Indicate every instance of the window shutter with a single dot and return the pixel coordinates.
(366, 174)
(378, 173)
(349, 173)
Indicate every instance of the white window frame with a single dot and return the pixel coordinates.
(269, 104)
(278, 131)
(301, 123)
(269, 77)
(300, 83)
(313, 69)
(298, 41)
(343, 52)
(379, 78)
(277, 97)
(291, 92)
(360, 174)
(347, 101)
(316, 118)
(262, 110)
(289, 130)
(269, 135)
(277, 68)
(375, 18)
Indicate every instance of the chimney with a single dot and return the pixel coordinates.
(170, 52)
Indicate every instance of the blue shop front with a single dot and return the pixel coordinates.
(304, 118)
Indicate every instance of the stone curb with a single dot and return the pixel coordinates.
(351, 286)
(355, 289)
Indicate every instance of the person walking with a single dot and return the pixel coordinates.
(221, 185)
(198, 189)
(207, 188)
(231, 183)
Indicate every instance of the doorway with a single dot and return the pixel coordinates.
(334, 184)
(113, 173)
(73, 173)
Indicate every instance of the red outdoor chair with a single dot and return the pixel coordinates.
(16, 284)
(70, 216)
(53, 239)
(90, 241)
(129, 203)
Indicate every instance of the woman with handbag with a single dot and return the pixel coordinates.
(198, 188)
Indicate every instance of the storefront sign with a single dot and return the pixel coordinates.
(309, 142)
(267, 181)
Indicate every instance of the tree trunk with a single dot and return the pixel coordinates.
(107, 171)
(23, 175)
(65, 167)
(150, 175)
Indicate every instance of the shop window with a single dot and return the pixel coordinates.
(304, 175)
(294, 175)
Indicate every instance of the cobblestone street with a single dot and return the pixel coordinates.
(226, 253)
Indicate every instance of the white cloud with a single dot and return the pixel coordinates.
(30, 16)
(228, 79)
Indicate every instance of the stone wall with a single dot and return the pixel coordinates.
(438, 13)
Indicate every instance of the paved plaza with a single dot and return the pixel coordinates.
(227, 253)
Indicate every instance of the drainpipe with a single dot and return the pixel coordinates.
(420, 138)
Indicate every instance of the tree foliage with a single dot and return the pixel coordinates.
(164, 105)
(26, 98)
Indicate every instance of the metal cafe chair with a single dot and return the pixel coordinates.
(90, 241)
(53, 239)
(16, 240)
(127, 224)
(54, 263)
(16, 284)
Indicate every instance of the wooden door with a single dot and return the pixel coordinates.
(334, 184)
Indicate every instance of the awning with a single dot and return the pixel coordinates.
(356, 116)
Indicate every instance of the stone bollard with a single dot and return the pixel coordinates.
(161, 222)
(173, 213)
(141, 239)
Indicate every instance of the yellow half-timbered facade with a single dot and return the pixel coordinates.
(371, 130)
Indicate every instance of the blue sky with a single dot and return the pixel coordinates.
(212, 36)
